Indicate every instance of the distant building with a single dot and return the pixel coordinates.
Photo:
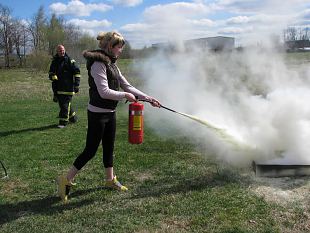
(217, 43)
(295, 45)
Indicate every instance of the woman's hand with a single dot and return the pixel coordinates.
(130, 97)
(154, 102)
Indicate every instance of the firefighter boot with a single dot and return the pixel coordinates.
(62, 124)
(73, 119)
(115, 184)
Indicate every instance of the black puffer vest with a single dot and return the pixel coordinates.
(112, 76)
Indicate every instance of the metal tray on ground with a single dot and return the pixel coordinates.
(281, 170)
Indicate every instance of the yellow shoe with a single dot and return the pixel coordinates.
(115, 184)
(63, 187)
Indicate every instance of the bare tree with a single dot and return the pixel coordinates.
(25, 40)
(40, 36)
(5, 32)
(72, 39)
(306, 35)
(291, 34)
(18, 37)
(296, 33)
(38, 29)
(300, 34)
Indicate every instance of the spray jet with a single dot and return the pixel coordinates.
(219, 131)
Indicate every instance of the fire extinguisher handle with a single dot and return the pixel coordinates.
(137, 99)
(128, 101)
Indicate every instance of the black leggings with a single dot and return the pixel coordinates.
(101, 127)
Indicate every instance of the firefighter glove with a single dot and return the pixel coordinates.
(76, 89)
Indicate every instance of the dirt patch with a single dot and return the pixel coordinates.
(142, 176)
(292, 193)
(284, 191)
(10, 186)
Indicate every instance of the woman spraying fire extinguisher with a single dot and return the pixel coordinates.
(104, 80)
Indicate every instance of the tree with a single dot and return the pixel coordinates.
(25, 40)
(127, 50)
(290, 34)
(19, 39)
(296, 33)
(87, 42)
(5, 32)
(72, 41)
(55, 33)
(38, 28)
(306, 35)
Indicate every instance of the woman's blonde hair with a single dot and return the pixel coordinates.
(108, 40)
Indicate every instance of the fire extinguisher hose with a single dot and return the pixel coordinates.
(188, 116)
(206, 123)
(219, 131)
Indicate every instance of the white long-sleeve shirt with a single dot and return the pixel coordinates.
(98, 72)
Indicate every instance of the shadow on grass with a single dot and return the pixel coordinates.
(178, 185)
(7, 133)
(85, 191)
(45, 206)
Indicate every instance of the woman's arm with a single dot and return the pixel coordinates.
(126, 86)
(98, 72)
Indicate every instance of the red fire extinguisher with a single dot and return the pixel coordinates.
(135, 125)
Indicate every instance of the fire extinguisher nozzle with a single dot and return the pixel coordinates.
(169, 109)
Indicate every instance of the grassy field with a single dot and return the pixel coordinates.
(172, 187)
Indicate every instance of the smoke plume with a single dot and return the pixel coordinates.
(258, 96)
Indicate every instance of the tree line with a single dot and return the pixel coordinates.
(296, 33)
(31, 43)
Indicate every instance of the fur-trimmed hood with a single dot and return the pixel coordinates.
(96, 55)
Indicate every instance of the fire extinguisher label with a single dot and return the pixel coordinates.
(136, 113)
(137, 123)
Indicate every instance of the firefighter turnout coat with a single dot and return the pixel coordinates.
(65, 75)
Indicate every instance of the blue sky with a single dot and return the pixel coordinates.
(143, 22)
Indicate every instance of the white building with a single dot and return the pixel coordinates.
(217, 43)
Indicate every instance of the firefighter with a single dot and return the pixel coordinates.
(65, 77)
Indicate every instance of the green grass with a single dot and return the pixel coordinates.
(298, 58)
(172, 187)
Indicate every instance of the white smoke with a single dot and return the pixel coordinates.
(259, 97)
